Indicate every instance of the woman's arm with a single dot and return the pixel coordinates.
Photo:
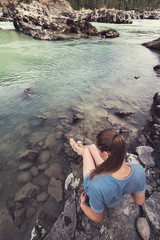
(139, 198)
(96, 217)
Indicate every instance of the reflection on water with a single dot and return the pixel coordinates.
(94, 74)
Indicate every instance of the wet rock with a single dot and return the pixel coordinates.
(19, 216)
(144, 153)
(29, 92)
(55, 189)
(41, 180)
(43, 166)
(42, 197)
(157, 69)
(123, 114)
(155, 44)
(27, 191)
(54, 170)
(24, 177)
(151, 209)
(30, 212)
(66, 223)
(25, 166)
(109, 33)
(44, 156)
(34, 171)
(8, 229)
(29, 154)
(143, 228)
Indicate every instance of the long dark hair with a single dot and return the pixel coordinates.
(112, 142)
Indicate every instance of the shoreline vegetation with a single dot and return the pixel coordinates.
(34, 201)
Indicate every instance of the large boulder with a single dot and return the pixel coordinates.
(51, 23)
(155, 44)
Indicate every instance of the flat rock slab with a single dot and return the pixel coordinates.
(152, 209)
(65, 226)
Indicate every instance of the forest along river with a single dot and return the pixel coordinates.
(90, 73)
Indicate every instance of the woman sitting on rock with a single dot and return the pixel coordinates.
(107, 177)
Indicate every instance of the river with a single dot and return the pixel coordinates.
(64, 74)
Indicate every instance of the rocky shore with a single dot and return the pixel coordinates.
(50, 201)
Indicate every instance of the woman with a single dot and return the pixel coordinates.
(107, 177)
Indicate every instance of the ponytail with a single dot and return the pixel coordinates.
(110, 141)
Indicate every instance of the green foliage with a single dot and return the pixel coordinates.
(124, 4)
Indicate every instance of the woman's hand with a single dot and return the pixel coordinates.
(83, 197)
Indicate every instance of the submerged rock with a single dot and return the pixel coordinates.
(55, 189)
(27, 191)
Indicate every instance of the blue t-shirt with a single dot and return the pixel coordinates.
(106, 190)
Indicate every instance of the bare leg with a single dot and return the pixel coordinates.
(94, 152)
(88, 161)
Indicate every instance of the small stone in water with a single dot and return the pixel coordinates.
(25, 166)
(34, 171)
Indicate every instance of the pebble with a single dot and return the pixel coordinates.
(44, 156)
(43, 166)
(25, 166)
(42, 197)
(34, 171)
(24, 177)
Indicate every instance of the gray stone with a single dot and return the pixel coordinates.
(41, 180)
(54, 170)
(44, 156)
(25, 166)
(19, 215)
(152, 209)
(143, 228)
(24, 177)
(34, 171)
(155, 44)
(27, 191)
(43, 166)
(144, 153)
(55, 189)
(1, 187)
(66, 223)
(42, 197)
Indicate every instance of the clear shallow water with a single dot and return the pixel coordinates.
(85, 72)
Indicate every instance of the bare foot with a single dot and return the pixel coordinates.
(76, 147)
